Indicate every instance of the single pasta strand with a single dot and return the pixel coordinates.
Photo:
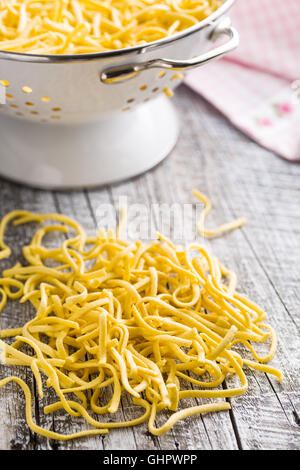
(38, 429)
(218, 406)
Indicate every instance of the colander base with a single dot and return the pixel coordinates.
(60, 156)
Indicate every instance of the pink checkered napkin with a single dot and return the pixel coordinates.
(258, 86)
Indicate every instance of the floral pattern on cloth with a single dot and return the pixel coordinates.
(260, 87)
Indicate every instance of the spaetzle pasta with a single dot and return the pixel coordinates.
(84, 26)
(145, 319)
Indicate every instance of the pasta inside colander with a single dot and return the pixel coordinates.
(83, 26)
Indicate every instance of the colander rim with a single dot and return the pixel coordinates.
(63, 58)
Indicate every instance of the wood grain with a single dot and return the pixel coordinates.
(242, 179)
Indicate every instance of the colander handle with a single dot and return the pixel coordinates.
(125, 72)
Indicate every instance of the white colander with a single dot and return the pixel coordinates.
(92, 119)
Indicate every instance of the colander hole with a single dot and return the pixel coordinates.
(46, 99)
(143, 87)
(14, 106)
(131, 100)
(9, 96)
(168, 92)
(146, 99)
(19, 114)
(28, 103)
(126, 108)
(34, 112)
(4, 83)
(155, 90)
(27, 89)
(177, 76)
(161, 74)
(56, 109)
(55, 117)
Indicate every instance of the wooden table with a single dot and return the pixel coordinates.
(242, 179)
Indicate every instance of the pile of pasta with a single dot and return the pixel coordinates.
(153, 320)
(84, 26)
